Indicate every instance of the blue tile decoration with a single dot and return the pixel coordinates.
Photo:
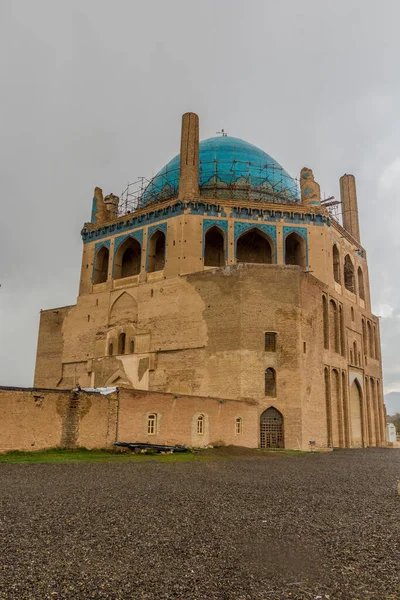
(223, 225)
(94, 210)
(242, 212)
(270, 230)
(153, 216)
(99, 245)
(136, 235)
(302, 231)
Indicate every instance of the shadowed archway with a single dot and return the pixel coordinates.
(254, 247)
(271, 429)
(356, 420)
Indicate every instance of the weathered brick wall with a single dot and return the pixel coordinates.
(35, 419)
(50, 348)
(176, 417)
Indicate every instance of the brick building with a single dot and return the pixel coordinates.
(225, 280)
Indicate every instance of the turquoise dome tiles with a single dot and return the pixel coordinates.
(228, 168)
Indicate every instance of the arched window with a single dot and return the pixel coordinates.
(121, 343)
(270, 382)
(156, 257)
(349, 274)
(334, 327)
(110, 350)
(370, 340)
(361, 290)
(238, 425)
(342, 334)
(328, 404)
(356, 416)
(200, 424)
(295, 250)
(128, 259)
(214, 248)
(271, 429)
(325, 321)
(355, 352)
(254, 247)
(336, 263)
(131, 346)
(101, 266)
(364, 337)
(152, 424)
(376, 344)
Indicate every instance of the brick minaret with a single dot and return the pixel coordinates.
(189, 166)
(349, 205)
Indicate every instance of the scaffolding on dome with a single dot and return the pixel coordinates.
(334, 208)
(238, 180)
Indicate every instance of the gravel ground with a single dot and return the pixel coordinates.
(307, 526)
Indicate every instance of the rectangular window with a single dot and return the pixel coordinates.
(238, 428)
(151, 425)
(270, 341)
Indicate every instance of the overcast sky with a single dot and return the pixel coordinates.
(92, 94)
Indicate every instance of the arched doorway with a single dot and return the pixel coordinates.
(128, 259)
(271, 429)
(254, 247)
(156, 258)
(101, 265)
(336, 263)
(214, 249)
(295, 250)
(356, 415)
(349, 274)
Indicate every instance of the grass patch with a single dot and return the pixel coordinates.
(62, 456)
(83, 455)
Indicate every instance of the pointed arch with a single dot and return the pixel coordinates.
(360, 278)
(349, 283)
(355, 352)
(370, 340)
(119, 377)
(356, 414)
(156, 251)
(254, 246)
(336, 263)
(121, 343)
(102, 258)
(271, 429)
(336, 409)
(295, 250)
(214, 247)
(325, 318)
(270, 382)
(128, 258)
(334, 332)
(124, 309)
(364, 337)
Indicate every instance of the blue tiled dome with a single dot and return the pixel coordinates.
(228, 168)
